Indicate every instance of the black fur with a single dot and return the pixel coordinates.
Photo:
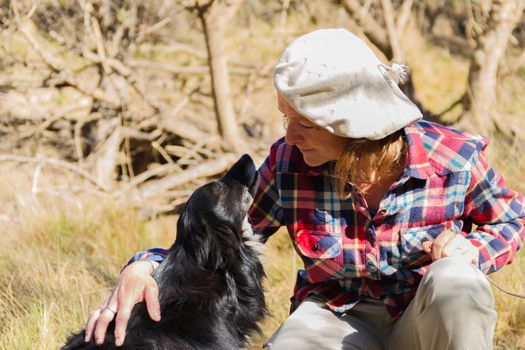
(210, 285)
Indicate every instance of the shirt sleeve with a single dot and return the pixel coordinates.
(155, 254)
(266, 211)
(499, 215)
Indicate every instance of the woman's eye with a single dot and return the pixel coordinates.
(286, 122)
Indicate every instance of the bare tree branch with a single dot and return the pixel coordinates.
(388, 14)
(374, 31)
(55, 163)
(403, 16)
(27, 28)
(106, 160)
(59, 115)
(209, 168)
(166, 67)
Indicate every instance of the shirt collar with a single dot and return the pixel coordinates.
(417, 164)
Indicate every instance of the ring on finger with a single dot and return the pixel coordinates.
(108, 308)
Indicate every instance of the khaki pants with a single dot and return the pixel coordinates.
(453, 309)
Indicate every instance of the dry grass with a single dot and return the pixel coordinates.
(60, 259)
(510, 328)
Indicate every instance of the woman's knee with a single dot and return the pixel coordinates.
(301, 329)
(452, 285)
(313, 326)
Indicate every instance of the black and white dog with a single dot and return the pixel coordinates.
(210, 284)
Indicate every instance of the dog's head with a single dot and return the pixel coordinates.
(226, 201)
(211, 223)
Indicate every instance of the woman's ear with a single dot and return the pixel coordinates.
(281, 103)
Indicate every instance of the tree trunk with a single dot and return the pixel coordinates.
(480, 100)
(214, 19)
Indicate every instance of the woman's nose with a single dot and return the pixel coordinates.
(293, 135)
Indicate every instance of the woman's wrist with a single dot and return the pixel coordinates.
(153, 264)
(142, 266)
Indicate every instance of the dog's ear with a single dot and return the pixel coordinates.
(211, 251)
(199, 240)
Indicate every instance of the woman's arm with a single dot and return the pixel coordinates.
(154, 254)
(134, 285)
(499, 214)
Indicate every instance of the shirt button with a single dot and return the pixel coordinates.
(315, 247)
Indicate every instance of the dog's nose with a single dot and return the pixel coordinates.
(243, 171)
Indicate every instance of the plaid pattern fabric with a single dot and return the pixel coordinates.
(349, 254)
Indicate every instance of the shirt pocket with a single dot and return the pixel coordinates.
(321, 253)
(433, 201)
(412, 238)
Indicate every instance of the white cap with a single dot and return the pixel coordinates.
(333, 78)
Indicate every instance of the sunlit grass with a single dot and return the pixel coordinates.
(58, 261)
(61, 261)
(510, 327)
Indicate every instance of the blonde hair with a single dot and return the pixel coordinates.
(361, 157)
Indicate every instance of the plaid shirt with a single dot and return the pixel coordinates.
(349, 254)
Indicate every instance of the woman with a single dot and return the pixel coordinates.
(379, 206)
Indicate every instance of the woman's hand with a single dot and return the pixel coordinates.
(134, 285)
(449, 243)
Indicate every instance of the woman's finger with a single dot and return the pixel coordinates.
(106, 316)
(427, 246)
(450, 244)
(473, 256)
(468, 252)
(121, 322)
(95, 315)
(135, 284)
(453, 245)
(439, 244)
(152, 301)
(90, 325)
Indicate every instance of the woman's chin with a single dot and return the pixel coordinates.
(311, 161)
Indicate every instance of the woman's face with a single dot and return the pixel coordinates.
(317, 145)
